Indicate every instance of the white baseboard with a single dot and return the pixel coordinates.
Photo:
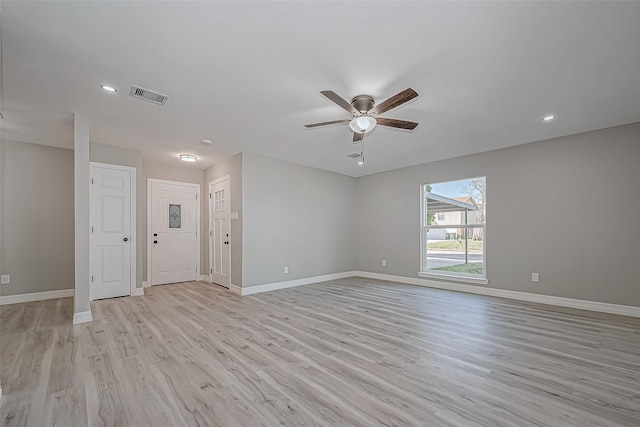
(137, 292)
(297, 282)
(625, 310)
(203, 278)
(36, 296)
(235, 289)
(145, 284)
(82, 317)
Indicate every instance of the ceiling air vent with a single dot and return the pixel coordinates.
(148, 95)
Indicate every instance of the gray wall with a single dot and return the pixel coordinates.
(172, 173)
(37, 226)
(233, 167)
(110, 154)
(565, 208)
(296, 216)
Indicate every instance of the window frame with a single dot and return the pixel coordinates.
(442, 275)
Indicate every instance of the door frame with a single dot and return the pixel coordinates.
(211, 183)
(151, 181)
(134, 235)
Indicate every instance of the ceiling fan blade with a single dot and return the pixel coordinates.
(395, 101)
(332, 122)
(394, 123)
(337, 99)
(357, 137)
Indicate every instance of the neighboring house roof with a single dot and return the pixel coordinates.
(466, 199)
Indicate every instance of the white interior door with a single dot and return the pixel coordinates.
(219, 241)
(173, 239)
(112, 235)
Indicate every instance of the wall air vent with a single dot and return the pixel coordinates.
(148, 95)
(355, 155)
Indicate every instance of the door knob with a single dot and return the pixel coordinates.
(155, 241)
(126, 239)
(226, 243)
(155, 234)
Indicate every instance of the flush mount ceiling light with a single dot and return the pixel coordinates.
(109, 88)
(188, 158)
(549, 118)
(207, 142)
(362, 124)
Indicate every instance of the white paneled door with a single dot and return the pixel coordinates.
(173, 234)
(219, 239)
(112, 231)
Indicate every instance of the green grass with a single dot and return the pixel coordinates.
(455, 245)
(471, 268)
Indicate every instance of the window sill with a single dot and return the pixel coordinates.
(453, 278)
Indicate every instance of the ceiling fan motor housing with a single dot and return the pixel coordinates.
(363, 103)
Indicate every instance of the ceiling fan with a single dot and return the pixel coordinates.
(364, 112)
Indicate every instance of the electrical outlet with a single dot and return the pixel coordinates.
(6, 279)
(384, 263)
(535, 277)
(286, 269)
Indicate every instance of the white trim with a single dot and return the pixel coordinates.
(137, 292)
(145, 284)
(624, 310)
(297, 282)
(209, 237)
(455, 278)
(36, 296)
(235, 289)
(134, 227)
(203, 278)
(219, 180)
(82, 317)
(150, 225)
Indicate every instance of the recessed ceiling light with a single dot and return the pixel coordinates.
(207, 142)
(108, 88)
(549, 117)
(188, 158)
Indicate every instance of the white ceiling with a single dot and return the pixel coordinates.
(248, 75)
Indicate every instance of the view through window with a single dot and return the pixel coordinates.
(453, 227)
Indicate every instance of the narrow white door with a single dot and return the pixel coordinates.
(173, 240)
(111, 232)
(219, 240)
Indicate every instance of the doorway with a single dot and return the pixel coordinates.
(219, 231)
(113, 231)
(173, 222)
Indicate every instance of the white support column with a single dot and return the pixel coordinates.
(82, 181)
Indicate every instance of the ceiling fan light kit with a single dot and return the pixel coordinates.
(363, 124)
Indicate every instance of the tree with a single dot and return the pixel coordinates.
(477, 189)
(430, 216)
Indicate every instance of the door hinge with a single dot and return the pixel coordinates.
(91, 230)
(210, 234)
(211, 270)
(209, 195)
(92, 180)
(196, 197)
(92, 278)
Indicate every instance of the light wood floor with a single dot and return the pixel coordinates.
(348, 352)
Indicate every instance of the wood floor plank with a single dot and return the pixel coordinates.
(346, 352)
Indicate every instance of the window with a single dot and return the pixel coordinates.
(175, 216)
(453, 229)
